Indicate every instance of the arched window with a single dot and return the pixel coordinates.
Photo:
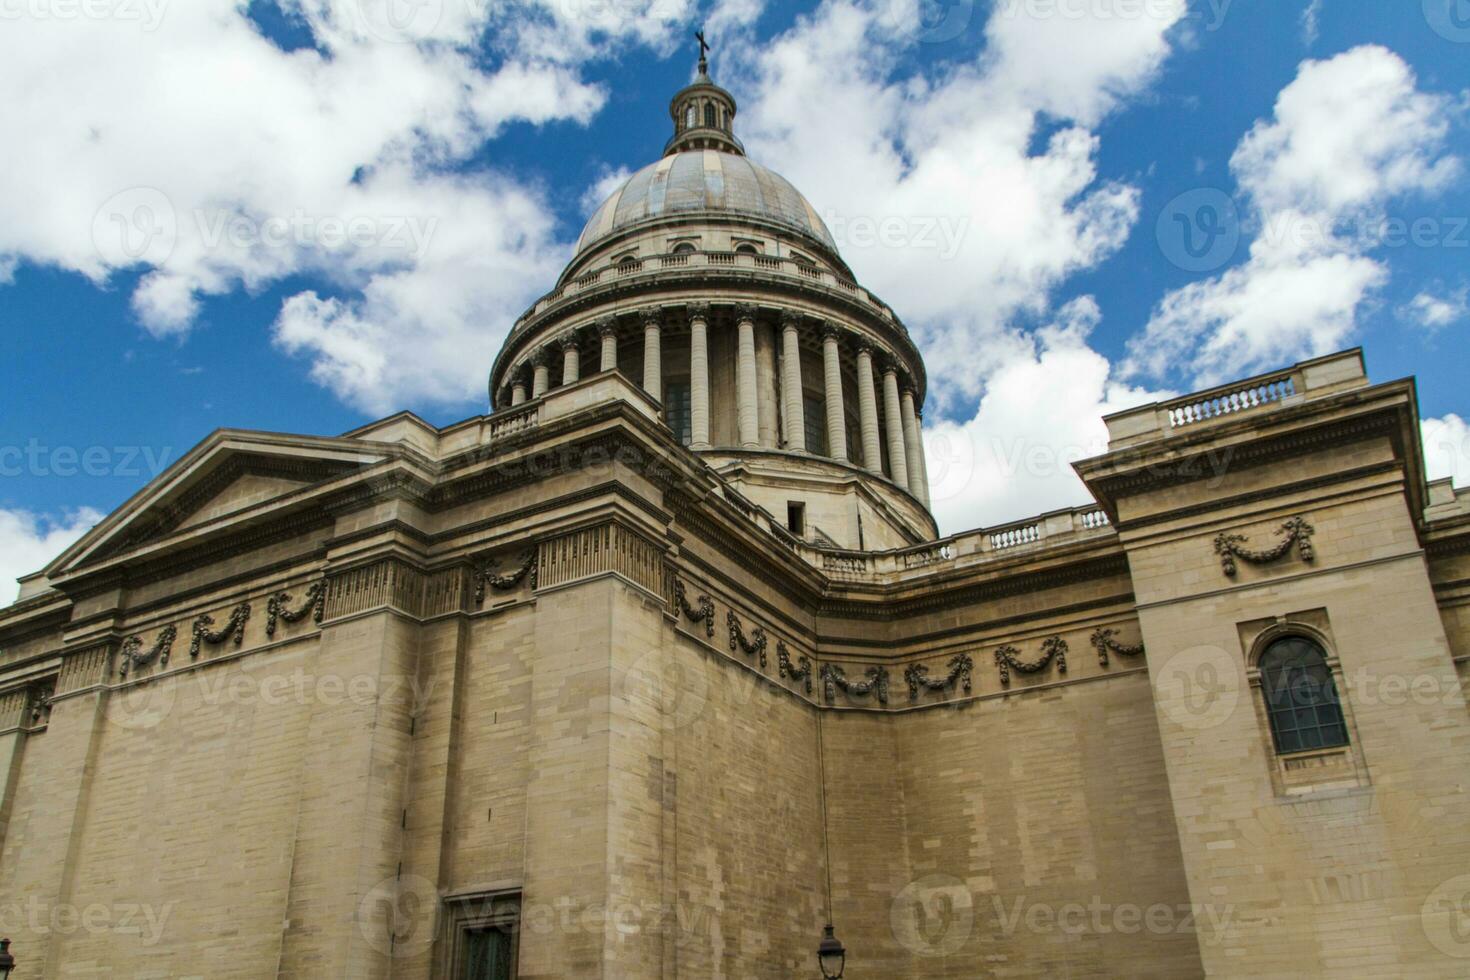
(745, 248)
(1301, 696)
(689, 116)
(684, 248)
(709, 114)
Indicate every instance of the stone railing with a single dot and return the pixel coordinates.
(983, 544)
(1309, 379)
(655, 265)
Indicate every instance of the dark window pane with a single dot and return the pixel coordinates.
(815, 425)
(487, 955)
(1301, 697)
(677, 413)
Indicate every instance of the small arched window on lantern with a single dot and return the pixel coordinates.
(709, 114)
(1301, 696)
(690, 117)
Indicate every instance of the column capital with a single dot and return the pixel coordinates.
(697, 311)
(865, 346)
(571, 338)
(745, 311)
(606, 326)
(831, 331)
(652, 318)
(791, 320)
(540, 357)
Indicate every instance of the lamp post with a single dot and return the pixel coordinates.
(831, 955)
(7, 962)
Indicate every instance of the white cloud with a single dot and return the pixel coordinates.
(1042, 411)
(1312, 22)
(1447, 449)
(1348, 136)
(28, 542)
(1433, 312)
(214, 161)
(987, 224)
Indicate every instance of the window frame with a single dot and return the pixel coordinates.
(468, 914)
(1281, 691)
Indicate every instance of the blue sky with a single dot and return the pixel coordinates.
(1044, 161)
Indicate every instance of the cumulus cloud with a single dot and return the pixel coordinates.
(198, 151)
(29, 541)
(964, 198)
(1042, 411)
(1348, 136)
(1447, 449)
(1435, 312)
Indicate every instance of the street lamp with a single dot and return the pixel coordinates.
(831, 955)
(7, 962)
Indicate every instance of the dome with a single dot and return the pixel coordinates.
(705, 180)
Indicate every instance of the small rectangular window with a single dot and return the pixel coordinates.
(815, 427)
(677, 411)
(796, 518)
(484, 937)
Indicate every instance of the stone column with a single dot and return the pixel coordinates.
(653, 364)
(913, 446)
(541, 376)
(767, 390)
(518, 393)
(923, 463)
(868, 410)
(745, 391)
(898, 461)
(793, 408)
(608, 331)
(699, 377)
(836, 411)
(571, 360)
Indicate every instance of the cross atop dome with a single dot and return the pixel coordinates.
(703, 113)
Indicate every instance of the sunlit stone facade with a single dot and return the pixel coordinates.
(661, 666)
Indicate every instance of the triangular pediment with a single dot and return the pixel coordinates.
(227, 476)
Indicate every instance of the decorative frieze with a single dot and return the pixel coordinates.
(1102, 640)
(834, 677)
(1294, 532)
(960, 669)
(485, 579)
(1008, 658)
(278, 607)
(234, 629)
(133, 655)
(799, 671)
(84, 668)
(752, 646)
(702, 613)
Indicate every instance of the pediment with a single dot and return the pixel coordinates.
(229, 474)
